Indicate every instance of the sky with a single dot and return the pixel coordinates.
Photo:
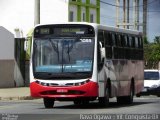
(153, 26)
(20, 14)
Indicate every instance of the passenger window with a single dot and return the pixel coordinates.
(140, 43)
(119, 40)
(108, 45)
(130, 41)
(136, 42)
(114, 39)
(126, 41)
(123, 42)
(133, 42)
(101, 37)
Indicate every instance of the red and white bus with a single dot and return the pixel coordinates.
(82, 62)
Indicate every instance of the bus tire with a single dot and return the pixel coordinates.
(104, 101)
(127, 99)
(48, 102)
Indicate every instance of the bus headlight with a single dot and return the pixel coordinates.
(67, 84)
(81, 83)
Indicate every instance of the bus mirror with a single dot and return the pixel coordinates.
(102, 53)
(102, 49)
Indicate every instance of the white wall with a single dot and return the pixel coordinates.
(6, 58)
(6, 44)
(10, 75)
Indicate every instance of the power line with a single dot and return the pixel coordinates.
(126, 7)
(132, 6)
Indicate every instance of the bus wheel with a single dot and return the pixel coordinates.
(48, 102)
(126, 99)
(104, 101)
(129, 99)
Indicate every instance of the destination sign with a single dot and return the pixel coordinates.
(63, 30)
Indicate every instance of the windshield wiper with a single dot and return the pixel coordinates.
(55, 48)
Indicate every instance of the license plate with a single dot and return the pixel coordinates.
(62, 91)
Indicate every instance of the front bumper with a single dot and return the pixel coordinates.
(89, 89)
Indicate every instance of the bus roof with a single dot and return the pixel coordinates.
(100, 26)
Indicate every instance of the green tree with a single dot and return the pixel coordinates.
(152, 53)
(145, 40)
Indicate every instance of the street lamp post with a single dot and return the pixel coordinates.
(37, 12)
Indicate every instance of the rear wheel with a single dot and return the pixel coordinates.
(48, 102)
(104, 101)
(127, 99)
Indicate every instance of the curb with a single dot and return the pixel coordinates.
(18, 98)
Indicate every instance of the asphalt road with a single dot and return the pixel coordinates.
(34, 109)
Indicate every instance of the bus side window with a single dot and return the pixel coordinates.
(106, 37)
(108, 45)
(126, 41)
(113, 39)
(115, 46)
(101, 37)
(133, 42)
(140, 42)
(130, 41)
(123, 41)
(140, 48)
(119, 40)
(136, 42)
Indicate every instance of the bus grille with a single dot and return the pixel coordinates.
(69, 92)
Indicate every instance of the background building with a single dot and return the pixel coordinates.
(84, 10)
(10, 73)
(69, 11)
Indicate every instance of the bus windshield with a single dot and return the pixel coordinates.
(63, 57)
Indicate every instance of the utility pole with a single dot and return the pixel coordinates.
(126, 23)
(128, 14)
(117, 12)
(124, 13)
(137, 15)
(37, 12)
(145, 18)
